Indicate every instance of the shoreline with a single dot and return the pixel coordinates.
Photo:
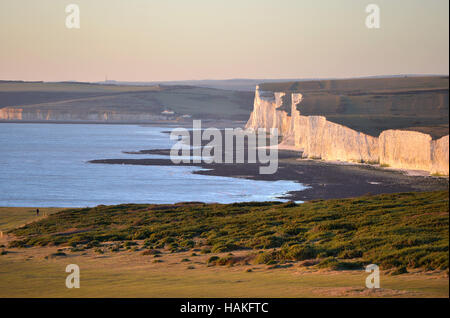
(325, 180)
(168, 123)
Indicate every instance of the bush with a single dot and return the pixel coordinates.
(265, 257)
(129, 243)
(329, 262)
(205, 250)
(300, 253)
(266, 242)
(151, 252)
(221, 247)
(212, 259)
(99, 251)
(142, 234)
(227, 260)
(55, 255)
(187, 244)
(92, 244)
(399, 271)
(349, 254)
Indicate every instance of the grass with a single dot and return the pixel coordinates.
(392, 230)
(14, 217)
(132, 275)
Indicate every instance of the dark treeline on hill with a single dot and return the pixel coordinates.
(395, 231)
(371, 105)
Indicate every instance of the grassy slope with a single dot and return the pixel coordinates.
(377, 104)
(393, 230)
(82, 98)
(11, 218)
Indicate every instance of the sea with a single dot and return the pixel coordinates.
(46, 165)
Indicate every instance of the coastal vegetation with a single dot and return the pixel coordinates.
(396, 231)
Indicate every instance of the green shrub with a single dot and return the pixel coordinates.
(205, 250)
(55, 255)
(129, 243)
(399, 271)
(151, 252)
(349, 254)
(188, 244)
(92, 244)
(224, 247)
(142, 234)
(227, 260)
(265, 257)
(300, 253)
(329, 262)
(213, 260)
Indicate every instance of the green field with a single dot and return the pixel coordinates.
(315, 249)
(372, 105)
(396, 231)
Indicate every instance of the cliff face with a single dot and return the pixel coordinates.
(330, 141)
(321, 139)
(9, 113)
(266, 113)
(405, 149)
(439, 156)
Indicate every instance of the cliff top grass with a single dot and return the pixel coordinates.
(395, 231)
(13, 217)
(371, 105)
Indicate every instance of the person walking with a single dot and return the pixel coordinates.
(37, 212)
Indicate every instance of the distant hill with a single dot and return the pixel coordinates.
(238, 84)
(371, 105)
(100, 102)
(241, 84)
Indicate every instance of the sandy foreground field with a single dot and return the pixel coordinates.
(27, 273)
(34, 272)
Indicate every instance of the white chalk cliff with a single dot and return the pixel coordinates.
(319, 138)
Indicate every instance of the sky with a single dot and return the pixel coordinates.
(157, 40)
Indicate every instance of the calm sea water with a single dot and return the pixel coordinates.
(43, 165)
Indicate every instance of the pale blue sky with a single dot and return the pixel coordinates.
(144, 40)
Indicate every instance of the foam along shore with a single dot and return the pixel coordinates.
(319, 138)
